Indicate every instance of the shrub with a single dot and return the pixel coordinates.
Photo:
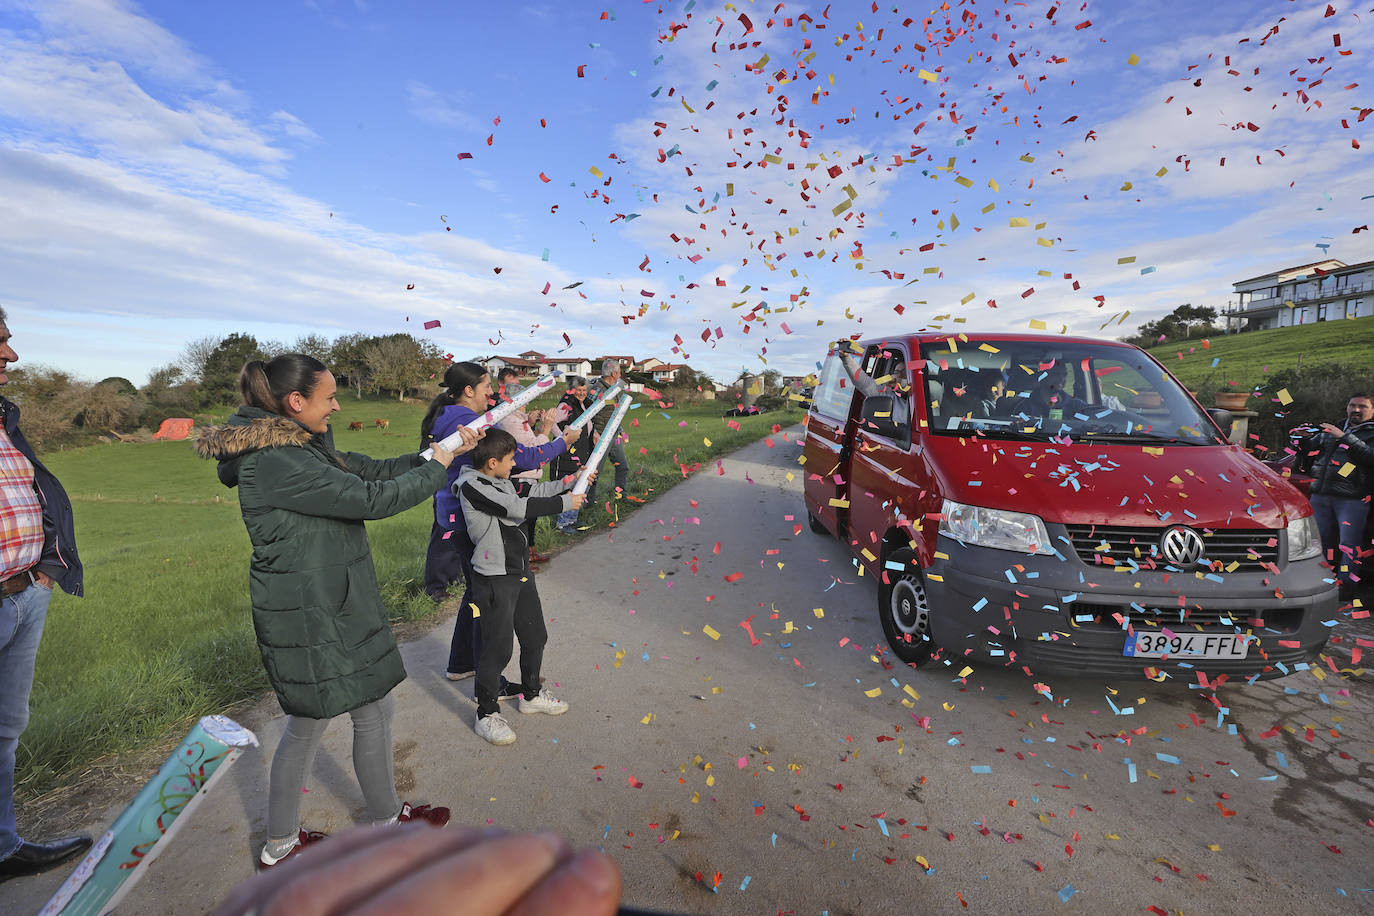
(1319, 395)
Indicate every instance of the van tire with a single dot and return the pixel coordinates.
(904, 609)
(815, 524)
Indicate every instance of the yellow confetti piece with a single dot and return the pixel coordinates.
(1284, 397)
(1130, 259)
(1047, 243)
(1036, 324)
(1018, 222)
(819, 612)
(962, 180)
(1214, 847)
(989, 208)
(788, 628)
(911, 692)
(966, 300)
(966, 672)
(1133, 60)
(921, 861)
(717, 690)
(476, 611)
(927, 76)
(707, 441)
(711, 631)
(876, 691)
(1163, 170)
(1112, 836)
(711, 780)
(949, 707)
(901, 745)
(1127, 186)
(839, 503)
(992, 183)
(647, 719)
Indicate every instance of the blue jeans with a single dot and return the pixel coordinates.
(21, 629)
(1341, 522)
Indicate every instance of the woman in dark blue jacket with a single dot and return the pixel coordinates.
(467, 387)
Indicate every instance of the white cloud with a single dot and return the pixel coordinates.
(433, 107)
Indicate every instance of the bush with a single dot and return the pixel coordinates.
(769, 402)
(1319, 395)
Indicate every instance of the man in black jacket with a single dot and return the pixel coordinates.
(1342, 479)
(37, 552)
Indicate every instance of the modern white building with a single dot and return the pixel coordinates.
(1322, 291)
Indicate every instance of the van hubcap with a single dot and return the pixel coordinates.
(910, 608)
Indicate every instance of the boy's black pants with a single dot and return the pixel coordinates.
(509, 607)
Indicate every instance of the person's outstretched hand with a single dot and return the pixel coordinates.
(409, 868)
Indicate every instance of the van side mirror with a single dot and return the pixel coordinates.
(885, 415)
(1222, 418)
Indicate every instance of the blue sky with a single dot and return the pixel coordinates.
(173, 170)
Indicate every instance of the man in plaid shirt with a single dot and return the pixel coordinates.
(37, 552)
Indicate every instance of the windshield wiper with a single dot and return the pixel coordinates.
(1134, 438)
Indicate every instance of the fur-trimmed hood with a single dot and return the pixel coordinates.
(248, 430)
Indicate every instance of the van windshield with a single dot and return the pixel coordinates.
(1037, 390)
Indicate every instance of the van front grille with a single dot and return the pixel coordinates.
(1250, 549)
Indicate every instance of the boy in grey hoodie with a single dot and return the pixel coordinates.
(503, 589)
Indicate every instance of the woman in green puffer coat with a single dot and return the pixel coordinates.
(321, 625)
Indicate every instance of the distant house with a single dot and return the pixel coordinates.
(626, 362)
(649, 364)
(1321, 291)
(571, 365)
(534, 356)
(526, 368)
(667, 372)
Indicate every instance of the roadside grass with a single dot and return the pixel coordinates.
(164, 634)
(1249, 358)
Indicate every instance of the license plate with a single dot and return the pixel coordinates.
(1190, 645)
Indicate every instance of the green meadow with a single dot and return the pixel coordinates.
(1248, 359)
(164, 634)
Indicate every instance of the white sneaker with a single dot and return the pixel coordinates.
(545, 702)
(495, 729)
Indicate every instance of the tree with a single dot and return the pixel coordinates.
(348, 358)
(1186, 321)
(219, 378)
(49, 399)
(109, 405)
(399, 362)
(195, 355)
(316, 345)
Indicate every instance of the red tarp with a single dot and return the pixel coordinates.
(175, 428)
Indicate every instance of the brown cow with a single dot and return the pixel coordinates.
(382, 424)
(357, 424)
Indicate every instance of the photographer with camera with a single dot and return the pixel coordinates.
(1342, 468)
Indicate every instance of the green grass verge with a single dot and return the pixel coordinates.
(164, 634)
(1249, 358)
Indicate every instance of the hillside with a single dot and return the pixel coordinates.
(1248, 358)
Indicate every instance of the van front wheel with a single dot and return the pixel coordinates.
(904, 608)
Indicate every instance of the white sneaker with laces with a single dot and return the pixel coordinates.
(545, 702)
(495, 729)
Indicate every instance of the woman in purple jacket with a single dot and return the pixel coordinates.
(467, 386)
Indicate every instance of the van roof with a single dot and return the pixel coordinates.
(1048, 340)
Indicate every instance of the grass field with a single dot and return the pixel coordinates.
(164, 634)
(1248, 358)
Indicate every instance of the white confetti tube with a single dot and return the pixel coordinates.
(498, 413)
(607, 436)
(606, 397)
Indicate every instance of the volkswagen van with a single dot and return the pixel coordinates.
(1059, 504)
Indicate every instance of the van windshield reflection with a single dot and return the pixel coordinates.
(1005, 389)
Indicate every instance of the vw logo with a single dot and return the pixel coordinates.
(1181, 545)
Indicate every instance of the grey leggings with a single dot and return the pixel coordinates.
(372, 763)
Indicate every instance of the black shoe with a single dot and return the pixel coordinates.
(511, 689)
(32, 858)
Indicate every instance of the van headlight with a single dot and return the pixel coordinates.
(995, 528)
(1304, 539)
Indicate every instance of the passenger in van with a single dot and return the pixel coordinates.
(863, 382)
(1049, 396)
(990, 385)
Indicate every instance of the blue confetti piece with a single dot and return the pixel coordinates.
(1167, 758)
(1280, 759)
(775, 841)
(744, 885)
(983, 602)
(1130, 770)
(882, 825)
(1067, 890)
(981, 768)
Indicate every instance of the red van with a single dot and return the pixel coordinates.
(1063, 505)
